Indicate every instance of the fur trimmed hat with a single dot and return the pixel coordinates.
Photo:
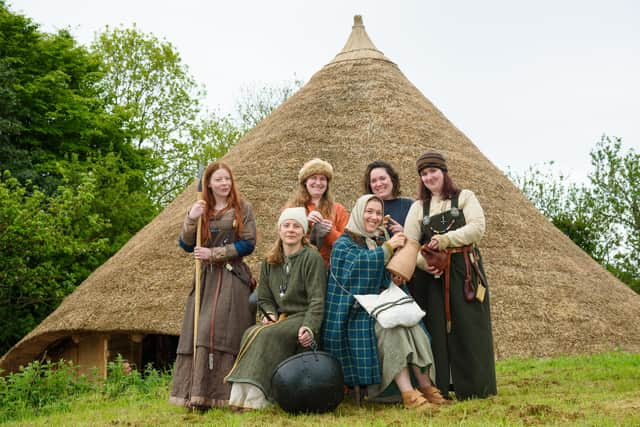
(313, 167)
(431, 159)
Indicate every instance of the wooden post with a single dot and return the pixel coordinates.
(196, 306)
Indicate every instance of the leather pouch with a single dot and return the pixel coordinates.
(436, 259)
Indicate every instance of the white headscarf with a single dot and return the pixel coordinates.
(356, 219)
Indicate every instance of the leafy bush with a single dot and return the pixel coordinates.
(45, 388)
(41, 388)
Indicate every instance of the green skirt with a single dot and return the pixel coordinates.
(263, 347)
(399, 348)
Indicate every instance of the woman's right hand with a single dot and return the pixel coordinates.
(266, 320)
(314, 217)
(197, 209)
(397, 241)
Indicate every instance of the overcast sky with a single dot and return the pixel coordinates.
(527, 82)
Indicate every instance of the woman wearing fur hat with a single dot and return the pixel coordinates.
(449, 223)
(327, 218)
(291, 298)
(228, 234)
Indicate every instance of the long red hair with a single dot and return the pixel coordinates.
(233, 201)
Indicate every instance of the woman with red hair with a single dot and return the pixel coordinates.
(228, 234)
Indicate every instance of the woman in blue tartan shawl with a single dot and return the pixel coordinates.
(371, 355)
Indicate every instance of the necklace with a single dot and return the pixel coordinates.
(443, 221)
(287, 269)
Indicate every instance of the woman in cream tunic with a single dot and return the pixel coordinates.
(458, 318)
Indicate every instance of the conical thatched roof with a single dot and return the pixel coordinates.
(548, 297)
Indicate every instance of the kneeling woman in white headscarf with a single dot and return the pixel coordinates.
(291, 295)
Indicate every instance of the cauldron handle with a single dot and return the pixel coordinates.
(314, 348)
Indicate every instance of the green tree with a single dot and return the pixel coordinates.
(145, 83)
(158, 103)
(564, 203)
(49, 103)
(94, 142)
(615, 189)
(602, 216)
(76, 188)
(120, 198)
(41, 240)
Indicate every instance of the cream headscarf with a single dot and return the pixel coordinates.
(356, 219)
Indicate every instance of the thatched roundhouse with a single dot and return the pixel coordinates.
(548, 296)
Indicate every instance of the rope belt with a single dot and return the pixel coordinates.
(213, 316)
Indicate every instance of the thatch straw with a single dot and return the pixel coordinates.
(548, 297)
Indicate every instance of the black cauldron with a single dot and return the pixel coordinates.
(308, 382)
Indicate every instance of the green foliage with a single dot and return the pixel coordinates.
(121, 378)
(42, 241)
(603, 216)
(96, 141)
(49, 104)
(76, 191)
(41, 388)
(46, 388)
(615, 185)
(158, 103)
(121, 197)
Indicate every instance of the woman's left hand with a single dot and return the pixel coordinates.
(434, 244)
(304, 337)
(324, 227)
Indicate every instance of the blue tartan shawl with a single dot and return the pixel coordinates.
(348, 331)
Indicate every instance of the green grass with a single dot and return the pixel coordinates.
(596, 390)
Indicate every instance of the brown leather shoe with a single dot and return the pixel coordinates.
(433, 395)
(415, 400)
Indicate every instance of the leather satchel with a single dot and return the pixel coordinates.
(434, 258)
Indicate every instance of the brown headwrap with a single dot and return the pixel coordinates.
(431, 159)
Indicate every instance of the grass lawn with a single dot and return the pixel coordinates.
(597, 390)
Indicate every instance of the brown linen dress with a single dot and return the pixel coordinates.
(222, 324)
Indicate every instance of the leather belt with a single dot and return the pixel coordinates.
(468, 285)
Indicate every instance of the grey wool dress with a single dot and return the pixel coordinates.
(224, 313)
(299, 294)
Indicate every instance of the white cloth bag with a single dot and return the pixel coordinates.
(392, 307)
